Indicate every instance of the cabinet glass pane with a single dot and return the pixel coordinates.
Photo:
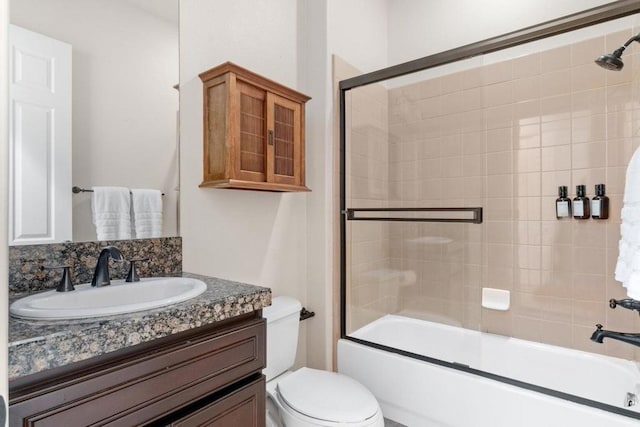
(283, 140)
(252, 131)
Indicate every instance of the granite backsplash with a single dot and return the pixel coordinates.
(25, 262)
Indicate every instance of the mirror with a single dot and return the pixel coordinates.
(124, 104)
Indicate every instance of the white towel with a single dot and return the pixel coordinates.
(628, 266)
(111, 212)
(147, 212)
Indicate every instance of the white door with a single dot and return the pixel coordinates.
(39, 138)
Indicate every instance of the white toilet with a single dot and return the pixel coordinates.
(309, 397)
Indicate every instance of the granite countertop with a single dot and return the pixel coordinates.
(38, 345)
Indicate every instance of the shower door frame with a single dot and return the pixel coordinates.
(586, 18)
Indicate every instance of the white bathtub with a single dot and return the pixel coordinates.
(422, 394)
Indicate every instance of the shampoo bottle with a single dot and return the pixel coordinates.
(600, 204)
(563, 203)
(581, 205)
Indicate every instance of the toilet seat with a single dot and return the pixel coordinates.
(327, 396)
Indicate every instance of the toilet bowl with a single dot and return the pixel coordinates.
(309, 397)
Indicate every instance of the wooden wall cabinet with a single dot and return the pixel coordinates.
(206, 376)
(253, 132)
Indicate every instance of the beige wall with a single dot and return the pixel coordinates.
(250, 236)
(283, 241)
(504, 136)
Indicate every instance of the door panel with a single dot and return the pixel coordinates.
(284, 155)
(39, 138)
(251, 155)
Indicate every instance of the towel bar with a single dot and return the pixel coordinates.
(75, 189)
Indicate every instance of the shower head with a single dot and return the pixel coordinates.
(613, 60)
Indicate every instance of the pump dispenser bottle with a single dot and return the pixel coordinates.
(581, 205)
(600, 204)
(563, 203)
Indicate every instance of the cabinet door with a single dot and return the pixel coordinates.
(250, 155)
(284, 149)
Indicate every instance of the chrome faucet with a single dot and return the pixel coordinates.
(599, 334)
(101, 274)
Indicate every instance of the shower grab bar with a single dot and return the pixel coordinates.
(75, 190)
(460, 215)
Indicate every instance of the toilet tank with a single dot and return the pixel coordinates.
(283, 320)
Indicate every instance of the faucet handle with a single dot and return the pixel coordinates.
(628, 303)
(132, 276)
(66, 284)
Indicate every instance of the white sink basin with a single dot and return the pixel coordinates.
(117, 298)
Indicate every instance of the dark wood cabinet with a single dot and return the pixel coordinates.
(211, 373)
(254, 131)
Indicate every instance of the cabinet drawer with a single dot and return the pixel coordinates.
(149, 386)
(243, 407)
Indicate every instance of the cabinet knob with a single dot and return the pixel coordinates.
(270, 134)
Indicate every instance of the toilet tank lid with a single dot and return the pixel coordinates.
(281, 307)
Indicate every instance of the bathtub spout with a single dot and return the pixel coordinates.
(600, 334)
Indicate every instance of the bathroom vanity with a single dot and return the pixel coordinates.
(195, 362)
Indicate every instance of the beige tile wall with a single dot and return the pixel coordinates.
(504, 137)
(370, 280)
